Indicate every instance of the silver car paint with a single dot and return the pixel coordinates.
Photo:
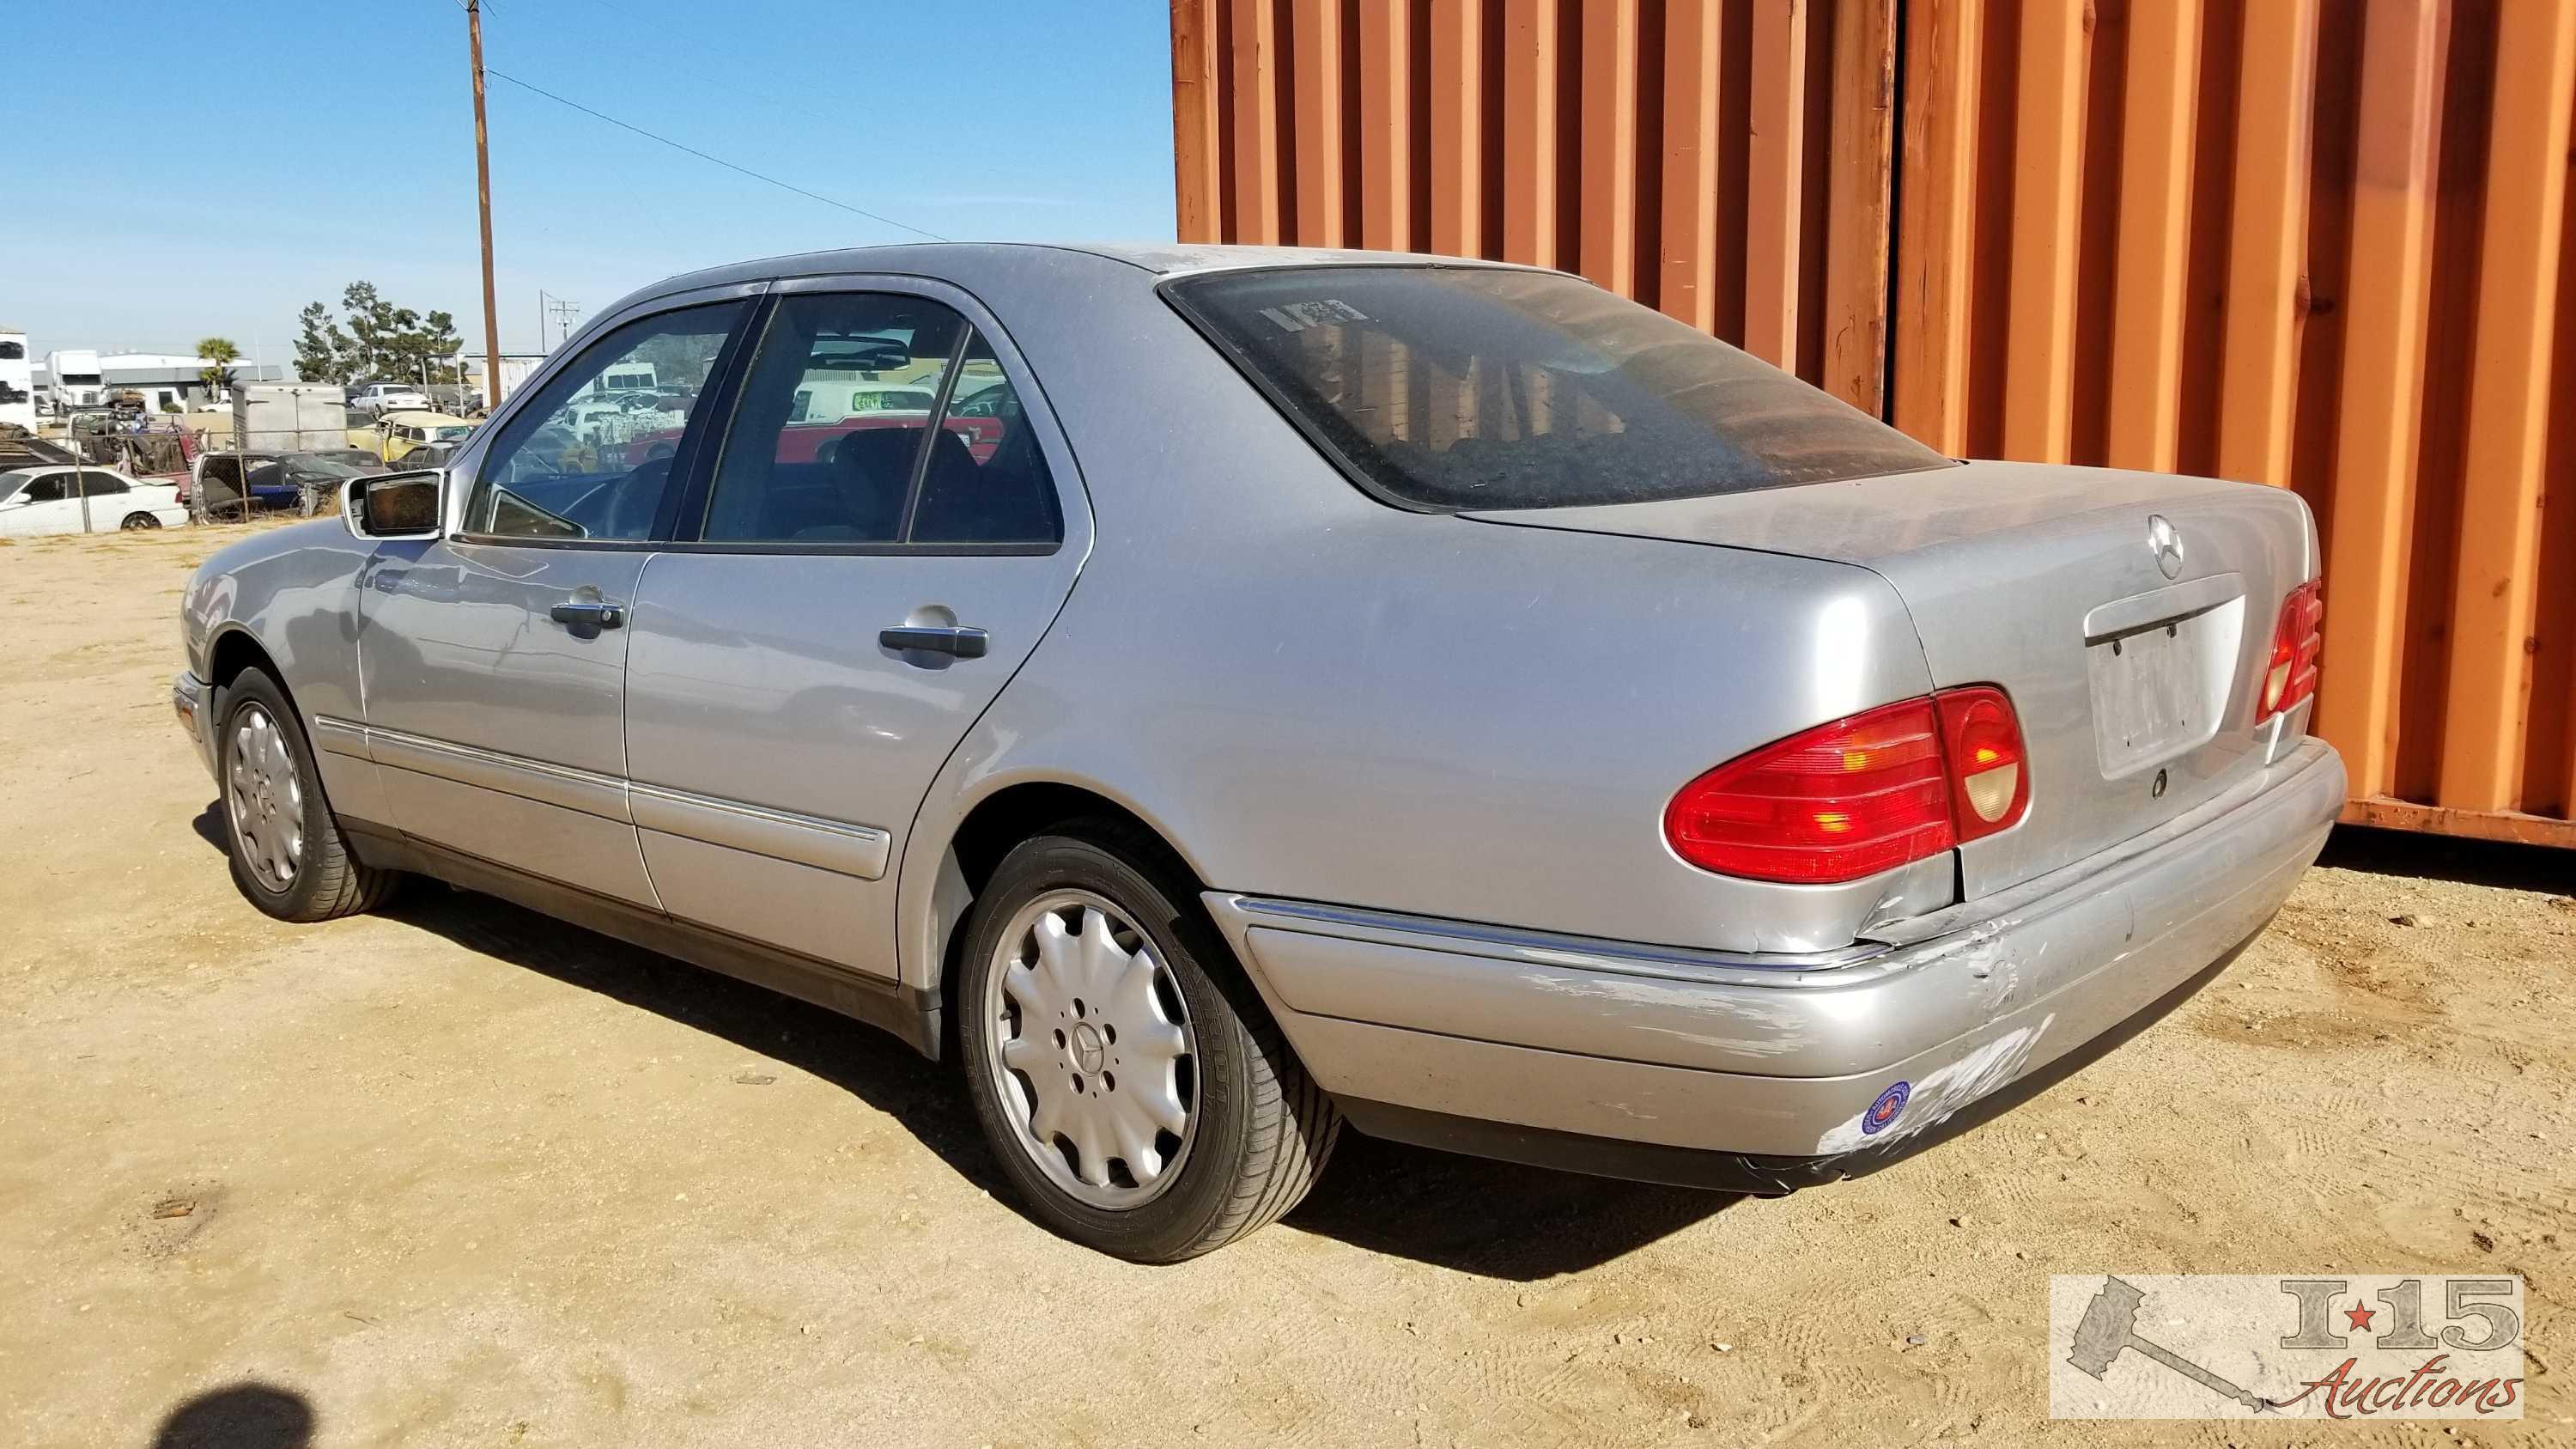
(2070, 547)
(1316, 697)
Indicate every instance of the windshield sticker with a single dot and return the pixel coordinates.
(1298, 316)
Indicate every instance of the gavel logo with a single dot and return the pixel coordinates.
(2109, 1328)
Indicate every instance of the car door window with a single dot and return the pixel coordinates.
(572, 464)
(880, 420)
(994, 487)
(826, 445)
(44, 490)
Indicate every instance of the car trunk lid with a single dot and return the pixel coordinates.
(2128, 615)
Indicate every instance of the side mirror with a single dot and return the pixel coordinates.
(392, 505)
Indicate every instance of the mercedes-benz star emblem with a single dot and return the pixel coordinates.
(2165, 542)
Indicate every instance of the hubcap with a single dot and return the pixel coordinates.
(266, 798)
(1092, 1050)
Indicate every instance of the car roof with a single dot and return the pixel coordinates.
(417, 418)
(962, 262)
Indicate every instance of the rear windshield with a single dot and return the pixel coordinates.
(1466, 387)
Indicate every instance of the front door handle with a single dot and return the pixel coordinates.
(589, 612)
(965, 643)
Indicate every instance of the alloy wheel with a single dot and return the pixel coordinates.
(1092, 1051)
(266, 798)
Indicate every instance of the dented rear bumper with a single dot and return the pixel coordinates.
(1768, 1072)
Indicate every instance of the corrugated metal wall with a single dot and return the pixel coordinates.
(2316, 243)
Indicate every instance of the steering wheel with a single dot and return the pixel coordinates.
(632, 499)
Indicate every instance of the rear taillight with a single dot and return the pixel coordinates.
(1863, 794)
(2291, 678)
(1989, 771)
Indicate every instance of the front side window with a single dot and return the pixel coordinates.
(1453, 388)
(567, 466)
(841, 437)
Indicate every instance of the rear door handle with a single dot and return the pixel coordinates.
(965, 643)
(589, 613)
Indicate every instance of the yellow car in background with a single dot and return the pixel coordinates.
(399, 433)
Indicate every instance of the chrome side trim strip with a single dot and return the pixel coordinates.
(340, 736)
(1544, 948)
(853, 850)
(582, 790)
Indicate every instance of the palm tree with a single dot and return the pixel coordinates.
(218, 352)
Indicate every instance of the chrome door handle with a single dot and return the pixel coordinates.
(589, 614)
(961, 641)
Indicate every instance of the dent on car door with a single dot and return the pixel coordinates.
(843, 597)
(495, 657)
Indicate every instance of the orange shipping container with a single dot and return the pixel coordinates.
(2320, 244)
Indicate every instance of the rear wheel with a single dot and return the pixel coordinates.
(287, 851)
(1138, 1096)
(137, 522)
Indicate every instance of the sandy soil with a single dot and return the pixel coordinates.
(459, 1175)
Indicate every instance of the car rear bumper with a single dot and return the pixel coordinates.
(1764, 1072)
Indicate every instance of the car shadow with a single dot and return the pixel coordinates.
(238, 1416)
(1492, 1219)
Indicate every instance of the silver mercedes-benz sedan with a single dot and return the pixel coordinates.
(1217, 694)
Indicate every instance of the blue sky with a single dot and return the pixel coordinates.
(213, 168)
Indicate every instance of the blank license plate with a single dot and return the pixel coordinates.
(2147, 690)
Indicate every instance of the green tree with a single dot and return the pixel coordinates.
(323, 352)
(380, 340)
(220, 354)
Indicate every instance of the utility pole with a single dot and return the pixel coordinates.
(483, 198)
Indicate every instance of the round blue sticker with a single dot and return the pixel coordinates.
(1884, 1110)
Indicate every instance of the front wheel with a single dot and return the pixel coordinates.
(287, 851)
(1138, 1096)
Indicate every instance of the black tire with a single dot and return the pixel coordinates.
(1262, 1129)
(137, 522)
(329, 881)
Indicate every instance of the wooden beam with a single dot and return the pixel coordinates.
(2047, 206)
(2147, 306)
(2379, 404)
(2266, 304)
(2487, 703)
(1935, 250)
(1859, 195)
(1775, 179)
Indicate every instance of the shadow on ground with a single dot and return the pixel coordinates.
(238, 1416)
(2445, 857)
(1463, 1213)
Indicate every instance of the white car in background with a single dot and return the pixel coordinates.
(36, 501)
(379, 398)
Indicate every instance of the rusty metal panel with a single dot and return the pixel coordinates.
(2320, 244)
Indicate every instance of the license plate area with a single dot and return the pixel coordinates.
(2159, 689)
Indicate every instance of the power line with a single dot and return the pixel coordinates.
(718, 160)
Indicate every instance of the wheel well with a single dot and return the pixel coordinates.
(1010, 816)
(235, 650)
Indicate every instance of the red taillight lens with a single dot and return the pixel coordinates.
(2297, 640)
(1989, 771)
(1835, 803)
(1860, 795)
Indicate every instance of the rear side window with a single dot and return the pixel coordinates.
(1452, 388)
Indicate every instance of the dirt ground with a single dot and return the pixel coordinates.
(456, 1174)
